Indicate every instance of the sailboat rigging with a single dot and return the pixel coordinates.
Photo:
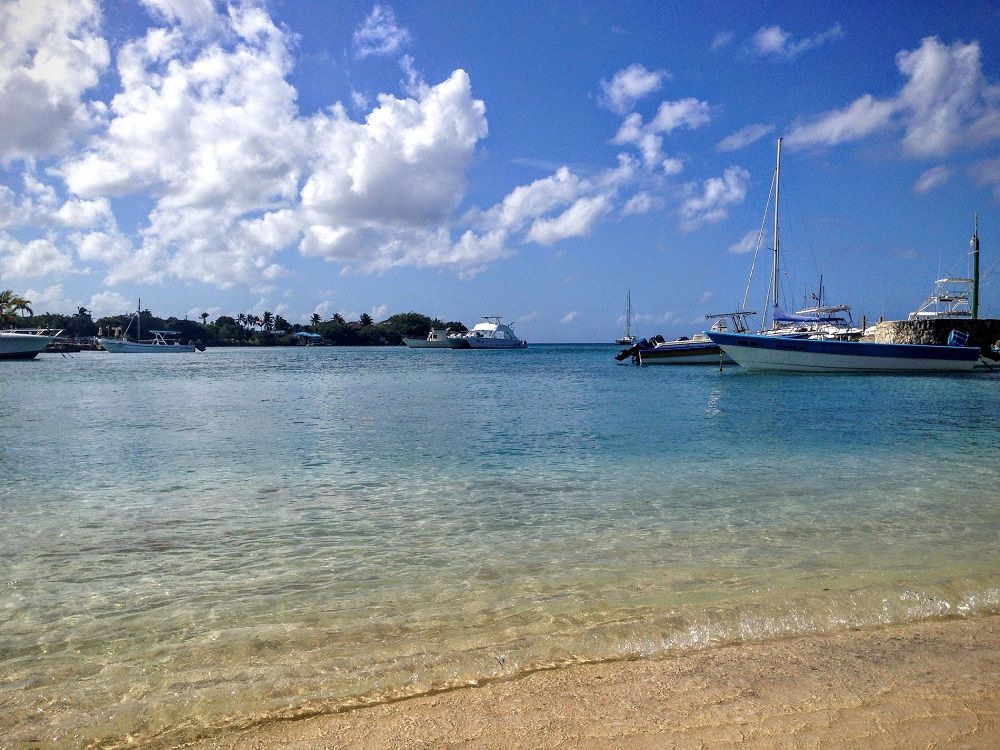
(628, 337)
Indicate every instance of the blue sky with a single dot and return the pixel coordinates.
(532, 159)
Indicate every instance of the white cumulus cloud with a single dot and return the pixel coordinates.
(51, 52)
(32, 259)
(717, 194)
(628, 86)
(648, 137)
(947, 103)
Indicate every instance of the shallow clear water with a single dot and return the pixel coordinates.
(194, 542)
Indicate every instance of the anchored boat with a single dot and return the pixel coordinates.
(162, 342)
(438, 338)
(493, 334)
(25, 343)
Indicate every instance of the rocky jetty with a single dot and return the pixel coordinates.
(982, 332)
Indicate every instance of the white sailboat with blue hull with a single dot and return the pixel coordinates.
(823, 353)
(756, 352)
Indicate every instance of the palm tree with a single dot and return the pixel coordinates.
(338, 319)
(267, 321)
(366, 320)
(241, 319)
(314, 321)
(11, 304)
(204, 318)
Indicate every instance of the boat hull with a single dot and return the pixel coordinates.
(115, 346)
(753, 352)
(21, 345)
(494, 343)
(439, 344)
(683, 354)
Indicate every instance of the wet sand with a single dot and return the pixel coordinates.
(917, 686)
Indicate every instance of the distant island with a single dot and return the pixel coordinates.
(246, 329)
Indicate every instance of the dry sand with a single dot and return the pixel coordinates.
(918, 686)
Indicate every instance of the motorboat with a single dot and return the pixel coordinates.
(949, 299)
(25, 343)
(698, 349)
(162, 342)
(493, 334)
(438, 338)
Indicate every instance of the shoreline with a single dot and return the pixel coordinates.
(935, 683)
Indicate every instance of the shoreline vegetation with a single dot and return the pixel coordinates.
(928, 684)
(247, 329)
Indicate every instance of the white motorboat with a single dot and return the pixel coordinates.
(493, 334)
(162, 342)
(25, 343)
(438, 338)
(698, 349)
(950, 299)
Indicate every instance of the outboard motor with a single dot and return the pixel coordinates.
(631, 351)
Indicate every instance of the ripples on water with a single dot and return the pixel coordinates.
(190, 543)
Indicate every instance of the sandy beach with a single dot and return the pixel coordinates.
(927, 685)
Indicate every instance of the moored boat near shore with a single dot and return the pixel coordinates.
(756, 352)
(162, 342)
(438, 338)
(493, 334)
(25, 343)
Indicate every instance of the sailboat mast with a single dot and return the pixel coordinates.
(628, 313)
(138, 321)
(975, 270)
(774, 262)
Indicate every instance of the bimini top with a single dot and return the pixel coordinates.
(810, 315)
(166, 333)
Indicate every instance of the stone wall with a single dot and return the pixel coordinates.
(982, 333)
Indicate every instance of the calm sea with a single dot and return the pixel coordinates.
(195, 542)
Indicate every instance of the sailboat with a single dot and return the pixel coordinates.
(774, 350)
(162, 342)
(628, 338)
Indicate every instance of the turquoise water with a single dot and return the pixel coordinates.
(196, 542)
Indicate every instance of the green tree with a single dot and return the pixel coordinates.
(81, 324)
(314, 321)
(338, 319)
(10, 305)
(204, 318)
(280, 324)
(366, 320)
(267, 321)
